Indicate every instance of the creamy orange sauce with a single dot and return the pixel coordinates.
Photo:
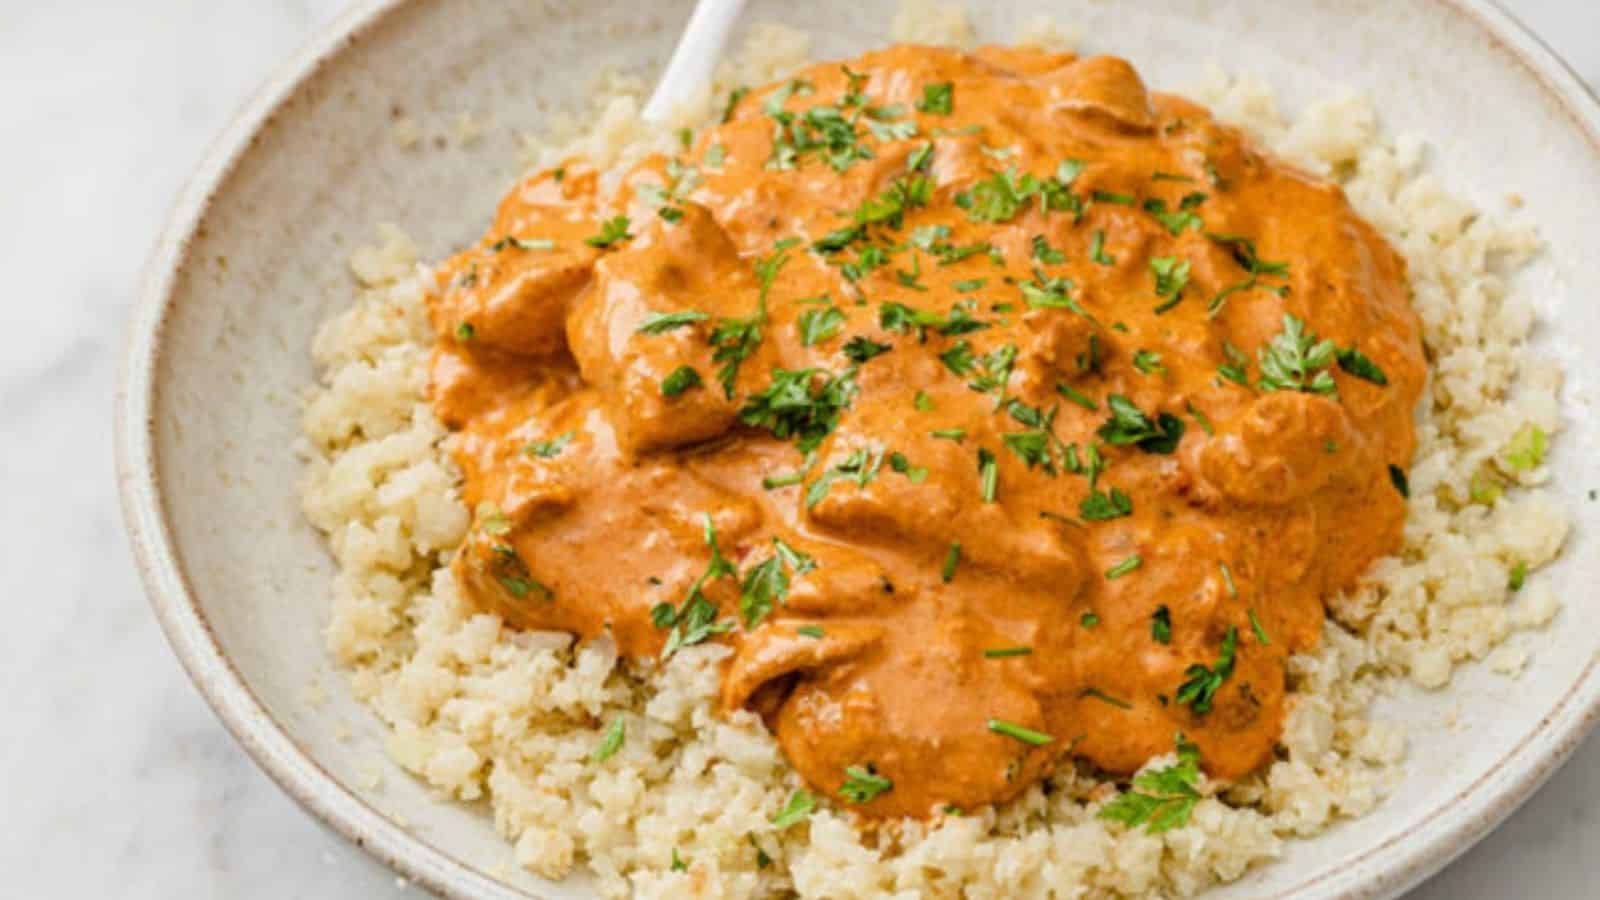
(975, 577)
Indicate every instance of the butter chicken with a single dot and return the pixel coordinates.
(992, 410)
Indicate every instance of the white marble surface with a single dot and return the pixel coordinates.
(115, 779)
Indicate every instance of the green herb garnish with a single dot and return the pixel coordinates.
(799, 808)
(1161, 799)
(661, 323)
(861, 784)
(1026, 735)
(681, 379)
(550, 448)
(1295, 360)
(1128, 425)
(1202, 682)
(612, 231)
(611, 741)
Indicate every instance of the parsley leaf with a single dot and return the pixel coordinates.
(817, 325)
(863, 783)
(662, 323)
(1026, 735)
(1100, 506)
(1148, 362)
(552, 447)
(936, 98)
(1202, 682)
(1160, 799)
(1295, 360)
(1179, 220)
(612, 231)
(860, 348)
(1172, 276)
(767, 582)
(800, 806)
(1161, 625)
(1360, 365)
(861, 467)
(800, 403)
(1097, 249)
(611, 741)
(695, 621)
(681, 379)
(1129, 426)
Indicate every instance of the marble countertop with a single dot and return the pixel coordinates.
(116, 779)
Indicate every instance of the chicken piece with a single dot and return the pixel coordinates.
(512, 292)
(687, 268)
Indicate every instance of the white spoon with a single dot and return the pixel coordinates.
(695, 57)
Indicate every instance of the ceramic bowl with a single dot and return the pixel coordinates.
(217, 359)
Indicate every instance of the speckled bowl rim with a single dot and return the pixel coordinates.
(1382, 871)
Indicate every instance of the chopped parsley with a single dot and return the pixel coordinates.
(1526, 448)
(899, 463)
(1071, 393)
(861, 467)
(952, 559)
(1161, 625)
(863, 783)
(1100, 505)
(550, 448)
(681, 379)
(949, 434)
(1043, 252)
(1244, 253)
(1237, 368)
(1255, 626)
(465, 332)
(937, 98)
(1006, 652)
(1111, 197)
(1148, 362)
(922, 401)
(1295, 360)
(1026, 735)
(799, 808)
(988, 474)
(1097, 249)
(1202, 682)
(612, 231)
(810, 631)
(1122, 568)
(860, 348)
(1397, 477)
(1199, 417)
(661, 323)
(1360, 365)
(818, 325)
(1094, 693)
(767, 582)
(695, 620)
(611, 741)
(800, 403)
(1180, 220)
(1160, 799)
(1089, 620)
(1172, 276)
(1518, 577)
(1129, 426)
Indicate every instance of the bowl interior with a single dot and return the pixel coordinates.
(267, 264)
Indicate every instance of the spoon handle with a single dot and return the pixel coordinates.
(695, 57)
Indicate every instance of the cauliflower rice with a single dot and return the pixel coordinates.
(484, 713)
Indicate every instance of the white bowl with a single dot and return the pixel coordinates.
(252, 261)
